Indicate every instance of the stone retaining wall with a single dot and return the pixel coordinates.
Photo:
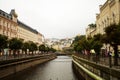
(14, 67)
(105, 72)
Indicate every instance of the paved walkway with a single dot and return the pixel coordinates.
(10, 57)
(107, 61)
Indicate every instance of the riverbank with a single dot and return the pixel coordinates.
(57, 69)
(14, 66)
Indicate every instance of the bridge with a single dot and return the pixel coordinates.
(62, 54)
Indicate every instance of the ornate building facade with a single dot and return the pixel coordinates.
(109, 14)
(26, 33)
(8, 24)
(90, 32)
(12, 27)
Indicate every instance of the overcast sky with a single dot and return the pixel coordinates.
(55, 18)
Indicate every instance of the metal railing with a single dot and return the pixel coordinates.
(4, 57)
(99, 59)
(92, 75)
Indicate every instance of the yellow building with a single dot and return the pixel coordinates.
(12, 27)
(40, 38)
(90, 32)
(109, 14)
(8, 23)
(28, 34)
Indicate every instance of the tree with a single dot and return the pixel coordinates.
(77, 38)
(26, 46)
(3, 42)
(76, 45)
(98, 37)
(33, 46)
(80, 43)
(15, 44)
(52, 50)
(47, 49)
(92, 25)
(42, 48)
(88, 44)
(97, 43)
(112, 37)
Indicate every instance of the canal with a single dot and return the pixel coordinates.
(57, 69)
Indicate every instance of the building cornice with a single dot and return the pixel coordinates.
(104, 5)
(112, 3)
(108, 2)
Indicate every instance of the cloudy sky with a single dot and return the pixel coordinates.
(55, 18)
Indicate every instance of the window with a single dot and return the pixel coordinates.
(113, 16)
(3, 14)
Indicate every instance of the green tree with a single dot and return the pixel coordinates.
(77, 38)
(88, 44)
(15, 44)
(97, 43)
(3, 42)
(77, 44)
(33, 47)
(47, 49)
(52, 50)
(26, 46)
(112, 37)
(42, 48)
(92, 25)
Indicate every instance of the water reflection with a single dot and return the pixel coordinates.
(58, 69)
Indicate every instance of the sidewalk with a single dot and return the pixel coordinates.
(10, 57)
(106, 61)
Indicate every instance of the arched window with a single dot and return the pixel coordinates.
(113, 17)
(107, 21)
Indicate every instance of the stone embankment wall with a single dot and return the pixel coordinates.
(16, 65)
(92, 71)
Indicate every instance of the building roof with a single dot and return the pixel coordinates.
(6, 15)
(23, 25)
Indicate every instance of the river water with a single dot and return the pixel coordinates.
(57, 69)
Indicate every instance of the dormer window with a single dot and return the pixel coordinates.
(7, 16)
(3, 14)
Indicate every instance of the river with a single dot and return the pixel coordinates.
(57, 69)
